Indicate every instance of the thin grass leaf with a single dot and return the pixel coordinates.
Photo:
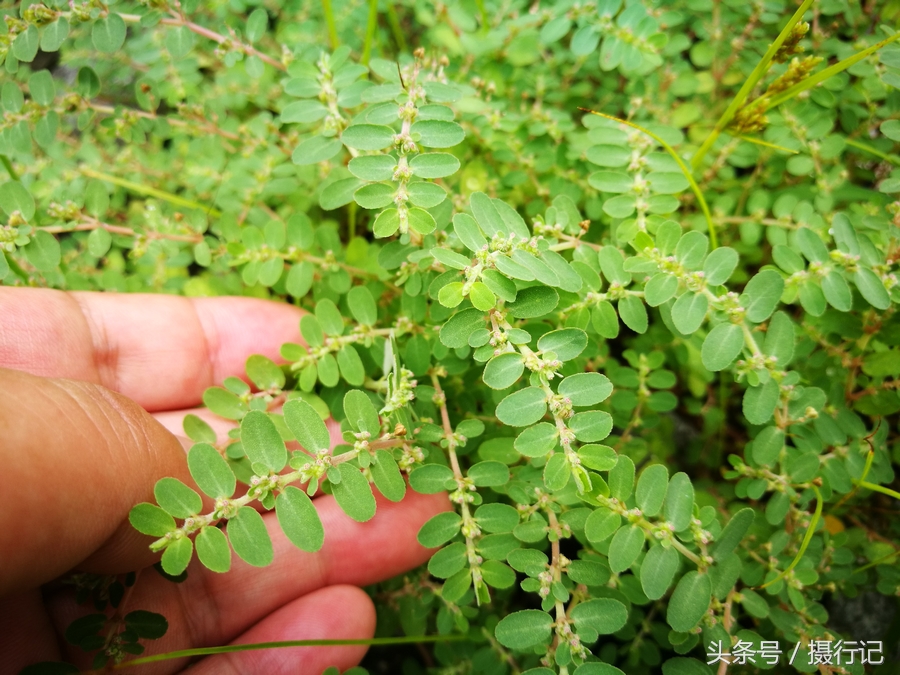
(810, 531)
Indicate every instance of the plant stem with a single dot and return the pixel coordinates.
(149, 191)
(371, 25)
(761, 68)
(396, 29)
(176, 20)
(229, 649)
(329, 22)
(9, 167)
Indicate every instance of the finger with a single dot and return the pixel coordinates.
(334, 613)
(161, 351)
(28, 635)
(77, 457)
(212, 609)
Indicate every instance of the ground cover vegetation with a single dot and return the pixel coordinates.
(651, 354)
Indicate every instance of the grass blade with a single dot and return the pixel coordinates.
(810, 531)
(761, 69)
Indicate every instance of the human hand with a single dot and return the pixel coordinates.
(89, 384)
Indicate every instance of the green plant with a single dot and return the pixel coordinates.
(663, 403)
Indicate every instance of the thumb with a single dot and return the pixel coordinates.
(77, 457)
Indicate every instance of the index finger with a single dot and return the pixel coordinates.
(160, 351)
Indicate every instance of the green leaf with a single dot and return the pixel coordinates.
(249, 538)
(374, 195)
(299, 519)
(438, 133)
(361, 413)
(451, 295)
(650, 492)
(42, 87)
(593, 425)
(257, 23)
(434, 165)
(600, 615)
(15, 197)
(658, 570)
(837, 291)
(177, 556)
(537, 440)
(329, 317)
(338, 194)
(732, 534)
(779, 340)
(504, 370)
(430, 478)
(25, 46)
(387, 477)
(179, 41)
(421, 221)
(176, 498)
(613, 265)
(601, 524)
(496, 518)
(198, 430)
(147, 625)
(720, 265)
(224, 403)
(306, 425)
(55, 34)
(481, 296)
(426, 195)
(584, 389)
(633, 313)
(523, 629)
(210, 471)
(557, 472)
(621, 478)
(811, 245)
(566, 343)
(679, 505)
(354, 494)
(351, 366)
(871, 288)
(263, 372)
(439, 529)
(448, 561)
(759, 402)
(262, 442)
(455, 333)
(497, 575)
(667, 182)
(316, 149)
(722, 346)
(99, 242)
(616, 182)
(373, 167)
(43, 251)
(689, 602)
(150, 519)
(767, 445)
(450, 259)
(605, 321)
(108, 33)
(522, 408)
(689, 312)
(488, 474)
(761, 295)
(660, 289)
(691, 249)
(468, 232)
(368, 136)
(598, 457)
(213, 550)
(533, 302)
(625, 548)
